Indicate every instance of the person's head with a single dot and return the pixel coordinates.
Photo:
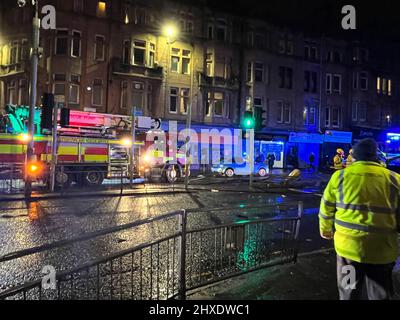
(340, 151)
(351, 152)
(366, 150)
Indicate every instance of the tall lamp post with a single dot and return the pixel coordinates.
(33, 89)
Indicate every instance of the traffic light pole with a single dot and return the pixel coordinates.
(251, 160)
(34, 71)
(54, 147)
(187, 158)
(132, 155)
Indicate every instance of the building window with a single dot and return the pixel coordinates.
(215, 104)
(332, 117)
(285, 77)
(335, 117)
(284, 112)
(11, 93)
(14, 53)
(76, 44)
(178, 55)
(124, 95)
(23, 92)
(139, 52)
(61, 47)
(333, 83)
(59, 85)
(384, 86)
(78, 5)
(184, 100)
(327, 117)
(362, 113)
(175, 59)
(250, 72)
(221, 30)
(210, 32)
(126, 52)
(101, 10)
(219, 68)
(250, 39)
(152, 54)
(310, 53)
(24, 50)
(355, 80)
(354, 111)
(138, 95)
(99, 47)
(218, 104)
(309, 116)
(209, 64)
(310, 81)
(389, 87)
(185, 61)
(97, 93)
(74, 93)
(173, 100)
(258, 72)
(363, 81)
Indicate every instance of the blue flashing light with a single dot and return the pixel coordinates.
(388, 141)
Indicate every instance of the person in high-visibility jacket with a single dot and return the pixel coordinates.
(350, 158)
(338, 159)
(360, 211)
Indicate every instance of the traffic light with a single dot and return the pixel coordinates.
(64, 117)
(46, 117)
(248, 120)
(259, 118)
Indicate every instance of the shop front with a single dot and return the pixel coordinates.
(301, 146)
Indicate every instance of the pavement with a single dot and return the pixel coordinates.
(313, 277)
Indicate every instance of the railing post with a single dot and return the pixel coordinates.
(182, 255)
(300, 211)
(122, 181)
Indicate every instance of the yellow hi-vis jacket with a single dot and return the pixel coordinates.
(362, 203)
(337, 162)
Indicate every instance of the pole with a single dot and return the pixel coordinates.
(34, 71)
(54, 147)
(187, 158)
(251, 160)
(132, 155)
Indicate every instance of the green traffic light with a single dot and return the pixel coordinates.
(249, 123)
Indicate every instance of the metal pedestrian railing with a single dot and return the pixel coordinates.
(170, 267)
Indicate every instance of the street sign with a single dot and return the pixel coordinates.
(143, 122)
(138, 113)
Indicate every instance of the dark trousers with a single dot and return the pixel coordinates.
(362, 281)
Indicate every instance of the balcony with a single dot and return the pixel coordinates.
(218, 82)
(136, 71)
(11, 69)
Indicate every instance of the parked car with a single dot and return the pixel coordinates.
(242, 169)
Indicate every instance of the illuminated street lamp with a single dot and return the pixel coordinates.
(170, 31)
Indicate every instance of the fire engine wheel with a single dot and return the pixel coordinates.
(93, 177)
(62, 180)
(262, 172)
(229, 172)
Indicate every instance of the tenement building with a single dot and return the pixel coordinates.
(164, 57)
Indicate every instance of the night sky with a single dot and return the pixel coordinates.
(379, 20)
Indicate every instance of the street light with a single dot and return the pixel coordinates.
(170, 31)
